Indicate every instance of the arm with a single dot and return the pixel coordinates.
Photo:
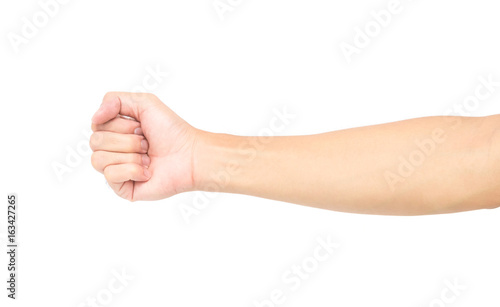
(420, 166)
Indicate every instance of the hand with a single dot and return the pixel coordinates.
(148, 158)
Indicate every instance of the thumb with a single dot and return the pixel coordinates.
(119, 103)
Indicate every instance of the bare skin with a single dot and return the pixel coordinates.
(427, 165)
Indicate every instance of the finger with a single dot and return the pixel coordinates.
(119, 173)
(121, 178)
(109, 109)
(129, 104)
(117, 142)
(101, 159)
(119, 125)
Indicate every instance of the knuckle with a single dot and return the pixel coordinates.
(94, 160)
(108, 95)
(138, 97)
(154, 100)
(99, 160)
(144, 98)
(95, 140)
(151, 96)
(92, 142)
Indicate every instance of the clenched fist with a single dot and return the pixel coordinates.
(147, 156)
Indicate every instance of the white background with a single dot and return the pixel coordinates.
(227, 75)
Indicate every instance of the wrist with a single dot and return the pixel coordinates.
(492, 168)
(214, 161)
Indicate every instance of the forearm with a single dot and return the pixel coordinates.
(419, 166)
